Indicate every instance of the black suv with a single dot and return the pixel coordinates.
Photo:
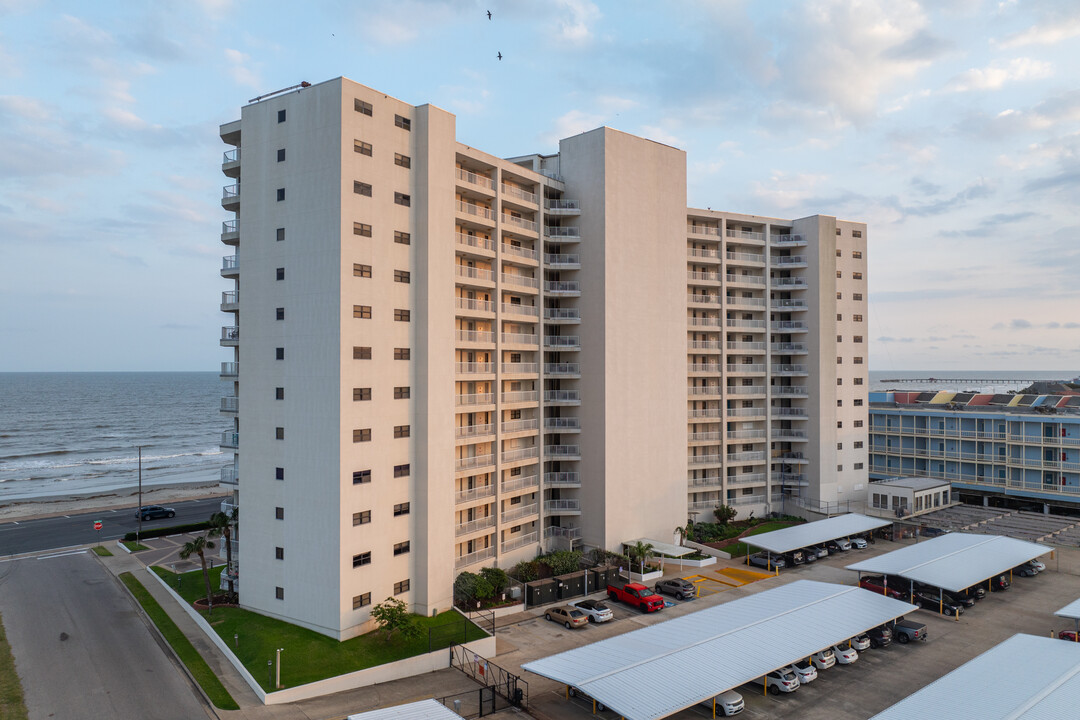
(151, 512)
(928, 601)
(676, 587)
(880, 636)
(956, 598)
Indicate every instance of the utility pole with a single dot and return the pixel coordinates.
(138, 532)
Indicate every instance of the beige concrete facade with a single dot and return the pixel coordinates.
(452, 360)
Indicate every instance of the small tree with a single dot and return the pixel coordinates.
(392, 615)
(221, 525)
(199, 546)
(640, 551)
(724, 514)
(497, 577)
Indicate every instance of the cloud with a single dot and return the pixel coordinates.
(576, 20)
(786, 191)
(570, 123)
(924, 187)
(996, 75)
(888, 339)
(991, 225)
(1048, 34)
(239, 69)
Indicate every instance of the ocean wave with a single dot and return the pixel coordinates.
(125, 460)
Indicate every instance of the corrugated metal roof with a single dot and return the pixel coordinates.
(656, 671)
(954, 561)
(1024, 678)
(423, 710)
(1072, 610)
(815, 533)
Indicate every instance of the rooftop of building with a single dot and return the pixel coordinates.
(911, 483)
(948, 401)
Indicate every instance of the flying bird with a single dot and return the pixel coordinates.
(500, 56)
(489, 14)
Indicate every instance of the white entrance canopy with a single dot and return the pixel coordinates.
(1024, 678)
(659, 546)
(661, 669)
(423, 710)
(814, 533)
(954, 561)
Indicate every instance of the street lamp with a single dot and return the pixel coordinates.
(278, 683)
(138, 532)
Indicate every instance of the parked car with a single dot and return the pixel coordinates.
(880, 636)
(821, 550)
(1037, 564)
(809, 555)
(1025, 570)
(795, 557)
(907, 630)
(861, 642)
(845, 655)
(976, 592)
(569, 616)
(727, 704)
(858, 542)
(931, 531)
(999, 584)
(637, 595)
(781, 680)
(152, 512)
(804, 670)
(595, 610)
(837, 545)
(874, 584)
(765, 561)
(1069, 635)
(928, 601)
(574, 692)
(676, 587)
(823, 659)
(954, 598)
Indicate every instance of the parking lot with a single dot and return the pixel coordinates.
(878, 679)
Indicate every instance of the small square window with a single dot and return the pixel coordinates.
(361, 353)
(279, 513)
(280, 313)
(401, 431)
(402, 199)
(279, 433)
(362, 435)
(280, 273)
(361, 311)
(839, 338)
(856, 254)
(401, 548)
(403, 122)
(279, 393)
(858, 338)
(281, 116)
(279, 592)
(839, 296)
(361, 559)
(360, 601)
(858, 361)
(401, 470)
(281, 155)
(839, 317)
(280, 234)
(837, 232)
(839, 361)
(402, 160)
(279, 553)
(279, 473)
(402, 238)
(839, 468)
(857, 275)
(401, 353)
(361, 476)
(839, 424)
(858, 444)
(361, 188)
(401, 315)
(839, 446)
(839, 253)
(858, 423)
(858, 381)
(280, 194)
(839, 274)
(361, 518)
(858, 402)
(401, 393)
(361, 394)
(359, 270)
(401, 509)
(362, 147)
(361, 229)
(401, 587)
(401, 276)
(839, 403)
(839, 381)
(856, 233)
(858, 466)
(364, 108)
(857, 318)
(279, 353)
(856, 296)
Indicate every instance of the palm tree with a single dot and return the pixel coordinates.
(198, 546)
(221, 525)
(641, 550)
(685, 533)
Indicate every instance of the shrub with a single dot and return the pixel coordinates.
(392, 615)
(526, 571)
(465, 586)
(174, 530)
(724, 514)
(497, 578)
(562, 562)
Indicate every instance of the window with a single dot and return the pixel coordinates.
(837, 232)
(361, 188)
(858, 338)
(858, 361)
(279, 433)
(858, 423)
(401, 587)
(401, 393)
(279, 353)
(364, 108)
(856, 296)
(279, 592)
(856, 254)
(857, 276)
(858, 444)
(363, 558)
(839, 381)
(403, 122)
(361, 311)
(360, 601)
(281, 116)
(402, 238)
(839, 403)
(856, 233)
(279, 513)
(280, 274)
(279, 553)
(401, 509)
(279, 473)
(279, 393)
(839, 424)
(280, 234)
(359, 270)
(361, 394)
(280, 194)
(858, 381)
(362, 147)
(401, 353)
(360, 477)
(839, 468)
(839, 446)
(362, 435)
(401, 431)
(401, 548)
(361, 353)
(857, 318)
(839, 317)
(401, 470)
(402, 199)
(281, 155)
(401, 276)
(280, 313)
(361, 229)
(401, 315)
(839, 296)
(839, 338)
(839, 361)
(858, 402)
(402, 160)
(361, 518)
(858, 466)
(839, 253)
(839, 274)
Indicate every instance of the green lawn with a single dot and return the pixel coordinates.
(183, 648)
(134, 546)
(102, 551)
(309, 656)
(739, 549)
(11, 694)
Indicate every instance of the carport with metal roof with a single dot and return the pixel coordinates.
(1024, 678)
(659, 670)
(952, 562)
(1072, 612)
(797, 537)
(423, 710)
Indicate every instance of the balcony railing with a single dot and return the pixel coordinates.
(561, 451)
(474, 273)
(744, 368)
(746, 434)
(476, 241)
(475, 305)
(746, 479)
(748, 500)
(746, 346)
(230, 403)
(228, 227)
(476, 461)
(477, 493)
(745, 389)
(519, 396)
(791, 283)
(562, 369)
(745, 235)
(521, 368)
(230, 156)
(230, 439)
(562, 396)
(561, 341)
(230, 299)
(476, 210)
(788, 478)
(470, 431)
(557, 506)
(475, 336)
(562, 260)
(704, 299)
(788, 325)
(753, 324)
(513, 426)
(785, 304)
(787, 260)
(525, 453)
(521, 541)
(789, 348)
(475, 399)
(561, 204)
(706, 437)
(521, 280)
(705, 344)
(516, 192)
(230, 369)
(694, 276)
(746, 412)
(704, 459)
(704, 368)
(788, 369)
(746, 279)
(475, 368)
(703, 253)
(474, 525)
(562, 287)
(752, 456)
(788, 390)
(704, 322)
(230, 262)
(562, 314)
(710, 390)
(745, 257)
(788, 240)
(520, 512)
(695, 413)
(519, 222)
(788, 412)
(520, 339)
(229, 475)
(519, 309)
(475, 179)
(703, 229)
(788, 434)
(555, 531)
(562, 232)
(751, 302)
(230, 193)
(230, 332)
(562, 423)
(519, 483)
(704, 484)
(473, 558)
(563, 479)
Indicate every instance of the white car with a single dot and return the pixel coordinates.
(781, 680)
(845, 655)
(727, 704)
(858, 542)
(823, 659)
(860, 643)
(804, 670)
(1037, 564)
(596, 610)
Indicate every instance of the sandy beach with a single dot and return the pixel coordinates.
(25, 509)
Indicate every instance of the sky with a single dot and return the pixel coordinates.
(951, 127)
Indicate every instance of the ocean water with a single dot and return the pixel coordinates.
(76, 433)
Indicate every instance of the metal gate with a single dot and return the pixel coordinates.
(504, 683)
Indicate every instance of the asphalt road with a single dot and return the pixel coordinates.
(81, 648)
(25, 536)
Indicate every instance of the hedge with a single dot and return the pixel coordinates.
(174, 530)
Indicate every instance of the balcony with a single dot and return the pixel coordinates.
(483, 337)
(562, 234)
(521, 396)
(756, 280)
(744, 369)
(745, 389)
(230, 404)
(477, 493)
(230, 197)
(572, 533)
(704, 413)
(789, 390)
(562, 316)
(754, 303)
(788, 326)
(230, 440)
(562, 397)
(561, 342)
(519, 454)
(750, 412)
(740, 258)
(703, 253)
(704, 484)
(560, 207)
(562, 507)
(563, 288)
(476, 211)
(230, 232)
(230, 162)
(475, 242)
(787, 240)
(474, 368)
(712, 391)
(466, 432)
(746, 434)
(473, 558)
(520, 512)
(746, 479)
(704, 344)
(705, 230)
(480, 275)
(472, 178)
(474, 526)
(703, 277)
(520, 281)
(746, 347)
(468, 306)
(789, 435)
(789, 348)
(473, 462)
(520, 368)
(788, 370)
(562, 479)
(562, 261)
(756, 237)
(474, 399)
(709, 437)
(746, 324)
(747, 500)
(562, 424)
(516, 426)
(518, 485)
(705, 459)
(754, 456)
(704, 322)
(694, 299)
(230, 301)
(562, 452)
(520, 223)
(789, 478)
(519, 194)
(704, 369)
(521, 541)
(567, 370)
(529, 311)
(229, 370)
(788, 283)
(229, 266)
(230, 336)
(788, 261)
(229, 475)
(785, 305)
(786, 412)
(520, 339)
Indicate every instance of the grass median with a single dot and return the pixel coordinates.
(183, 648)
(12, 704)
(102, 551)
(309, 656)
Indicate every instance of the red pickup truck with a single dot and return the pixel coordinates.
(877, 584)
(637, 595)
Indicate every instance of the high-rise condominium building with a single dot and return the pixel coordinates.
(446, 360)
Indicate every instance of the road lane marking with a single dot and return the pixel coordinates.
(65, 554)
